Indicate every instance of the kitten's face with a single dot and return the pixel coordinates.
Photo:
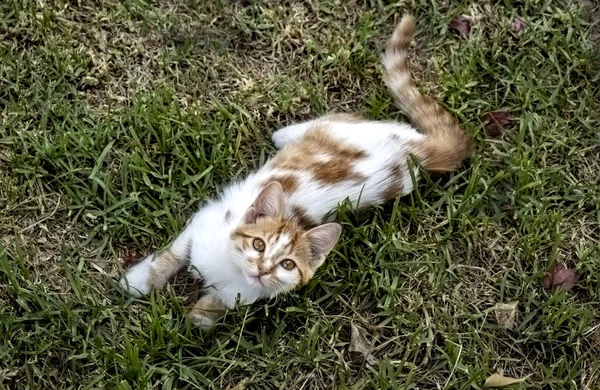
(273, 254)
(276, 255)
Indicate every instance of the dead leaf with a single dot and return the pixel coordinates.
(461, 25)
(90, 81)
(239, 386)
(497, 380)
(130, 258)
(518, 25)
(560, 277)
(506, 314)
(495, 122)
(360, 345)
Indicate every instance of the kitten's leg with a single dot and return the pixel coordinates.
(155, 270)
(207, 310)
(290, 134)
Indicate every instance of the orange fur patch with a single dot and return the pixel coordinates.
(329, 160)
(208, 306)
(394, 188)
(289, 183)
(343, 117)
(165, 265)
(444, 154)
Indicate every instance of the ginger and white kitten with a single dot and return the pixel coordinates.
(269, 233)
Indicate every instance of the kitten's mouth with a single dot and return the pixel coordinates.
(254, 281)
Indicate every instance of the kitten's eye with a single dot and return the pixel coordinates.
(258, 244)
(288, 264)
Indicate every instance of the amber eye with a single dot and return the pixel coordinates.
(258, 244)
(288, 264)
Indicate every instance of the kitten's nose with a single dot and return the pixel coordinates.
(262, 270)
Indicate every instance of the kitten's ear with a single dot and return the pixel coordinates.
(269, 202)
(322, 240)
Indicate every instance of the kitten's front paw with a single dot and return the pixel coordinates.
(136, 279)
(200, 320)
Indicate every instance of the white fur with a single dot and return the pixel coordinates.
(213, 256)
(273, 251)
(289, 134)
(136, 279)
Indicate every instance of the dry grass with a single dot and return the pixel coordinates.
(118, 118)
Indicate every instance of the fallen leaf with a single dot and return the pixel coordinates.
(497, 380)
(495, 122)
(360, 345)
(239, 386)
(461, 25)
(130, 258)
(90, 81)
(518, 25)
(506, 314)
(560, 277)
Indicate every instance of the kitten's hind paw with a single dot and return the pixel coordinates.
(206, 311)
(200, 320)
(289, 134)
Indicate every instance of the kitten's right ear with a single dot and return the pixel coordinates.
(269, 202)
(322, 239)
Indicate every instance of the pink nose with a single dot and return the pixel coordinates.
(262, 270)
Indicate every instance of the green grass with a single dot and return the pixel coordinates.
(118, 118)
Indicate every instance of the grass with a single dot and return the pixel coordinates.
(119, 118)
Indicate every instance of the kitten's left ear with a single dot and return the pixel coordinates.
(322, 240)
(269, 202)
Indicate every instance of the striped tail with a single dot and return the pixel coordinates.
(446, 145)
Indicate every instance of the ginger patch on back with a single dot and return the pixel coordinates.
(329, 160)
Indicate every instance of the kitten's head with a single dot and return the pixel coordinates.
(275, 254)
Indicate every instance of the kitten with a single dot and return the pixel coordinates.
(269, 233)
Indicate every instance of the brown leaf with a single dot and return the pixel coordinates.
(461, 25)
(495, 122)
(559, 277)
(130, 258)
(518, 25)
(497, 380)
(360, 345)
(505, 314)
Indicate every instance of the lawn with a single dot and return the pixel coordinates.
(117, 119)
